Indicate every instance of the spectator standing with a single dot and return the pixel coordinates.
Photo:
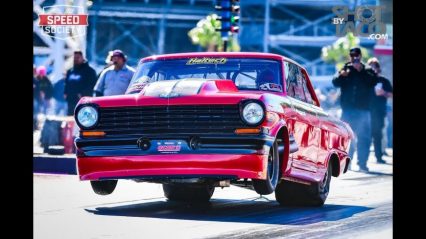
(58, 97)
(79, 81)
(115, 79)
(36, 93)
(356, 82)
(45, 89)
(383, 91)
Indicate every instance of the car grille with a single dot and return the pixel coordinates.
(152, 120)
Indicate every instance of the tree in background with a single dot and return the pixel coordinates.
(205, 35)
(338, 52)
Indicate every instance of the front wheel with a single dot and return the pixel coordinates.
(104, 187)
(267, 186)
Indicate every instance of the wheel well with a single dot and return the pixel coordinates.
(334, 160)
(282, 138)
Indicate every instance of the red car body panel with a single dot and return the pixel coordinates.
(243, 166)
(319, 138)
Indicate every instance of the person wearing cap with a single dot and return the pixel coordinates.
(115, 79)
(79, 81)
(383, 91)
(108, 63)
(36, 93)
(356, 82)
(45, 89)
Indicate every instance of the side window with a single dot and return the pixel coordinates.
(294, 81)
(308, 95)
(286, 74)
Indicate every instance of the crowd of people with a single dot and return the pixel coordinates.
(363, 99)
(81, 80)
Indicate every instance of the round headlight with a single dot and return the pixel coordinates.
(87, 116)
(253, 113)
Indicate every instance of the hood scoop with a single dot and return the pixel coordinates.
(187, 87)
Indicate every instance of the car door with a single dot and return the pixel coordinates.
(301, 120)
(313, 103)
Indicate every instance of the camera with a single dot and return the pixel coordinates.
(356, 60)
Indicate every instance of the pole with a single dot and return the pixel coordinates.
(266, 27)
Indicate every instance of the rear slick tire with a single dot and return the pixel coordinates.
(295, 194)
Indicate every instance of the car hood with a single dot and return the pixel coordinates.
(180, 92)
(185, 87)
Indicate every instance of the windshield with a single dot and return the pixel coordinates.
(247, 74)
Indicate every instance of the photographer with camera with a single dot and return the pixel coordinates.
(356, 82)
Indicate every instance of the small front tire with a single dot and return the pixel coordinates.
(267, 186)
(187, 192)
(104, 187)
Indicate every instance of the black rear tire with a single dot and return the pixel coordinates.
(188, 192)
(104, 187)
(267, 186)
(296, 194)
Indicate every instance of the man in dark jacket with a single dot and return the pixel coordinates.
(383, 91)
(356, 82)
(79, 81)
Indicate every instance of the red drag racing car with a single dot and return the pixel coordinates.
(196, 121)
